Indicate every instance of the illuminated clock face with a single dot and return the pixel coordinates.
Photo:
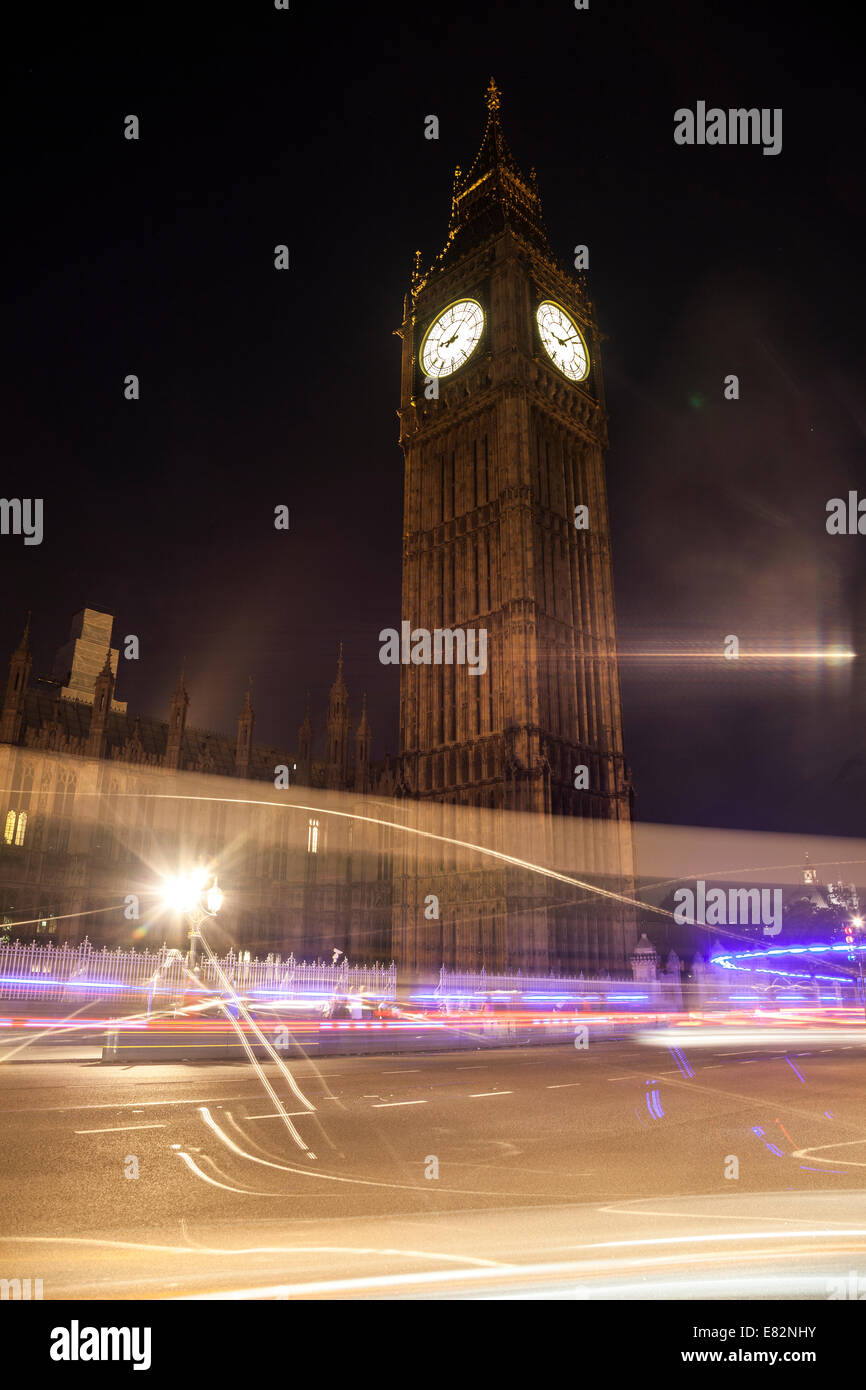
(562, 341)
(452, 338)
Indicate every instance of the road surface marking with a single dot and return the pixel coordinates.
(561, 1085)
(134, 1106)
(402, 1071)
(276, 1115)
(117, 1129)
(388, 1104)
(476, 1095)
(478, 1068)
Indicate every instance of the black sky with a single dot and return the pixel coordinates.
(307, 127)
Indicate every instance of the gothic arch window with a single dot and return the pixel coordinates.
(15, 827)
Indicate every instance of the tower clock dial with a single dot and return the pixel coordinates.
(452, 338)
(562, 340)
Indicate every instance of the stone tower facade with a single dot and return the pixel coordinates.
(506, 531)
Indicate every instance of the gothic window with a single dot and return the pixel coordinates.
(15, 828)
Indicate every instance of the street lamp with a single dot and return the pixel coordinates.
(197, 899)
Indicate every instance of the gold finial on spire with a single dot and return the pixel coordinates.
(494, 98)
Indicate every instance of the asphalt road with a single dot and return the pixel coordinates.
(552, 1172)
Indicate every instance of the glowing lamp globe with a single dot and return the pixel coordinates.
(215, 898)
(180, 894)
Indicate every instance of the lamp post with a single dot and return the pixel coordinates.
(197, 899)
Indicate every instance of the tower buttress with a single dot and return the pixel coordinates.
(21, 661)
(176, 725)
(244, 749)
(305, 749)
(362, 750)
(337, 732)
(103, 692)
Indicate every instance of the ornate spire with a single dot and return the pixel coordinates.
(492, 193)
(24, 644)
(339, 687)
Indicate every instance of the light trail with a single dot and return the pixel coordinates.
(828, 656)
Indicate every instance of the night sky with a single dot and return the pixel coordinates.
(262, 387)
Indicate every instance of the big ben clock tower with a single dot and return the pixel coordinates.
(505, 531)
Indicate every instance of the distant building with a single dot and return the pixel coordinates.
(86, 813)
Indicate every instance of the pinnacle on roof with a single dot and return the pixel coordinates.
(24, 644)
(492, 193)
(339, 685)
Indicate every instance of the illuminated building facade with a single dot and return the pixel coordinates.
(503, 428)
(88, 817)
(506, 533)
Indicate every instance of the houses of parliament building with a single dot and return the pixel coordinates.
(503, 431)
